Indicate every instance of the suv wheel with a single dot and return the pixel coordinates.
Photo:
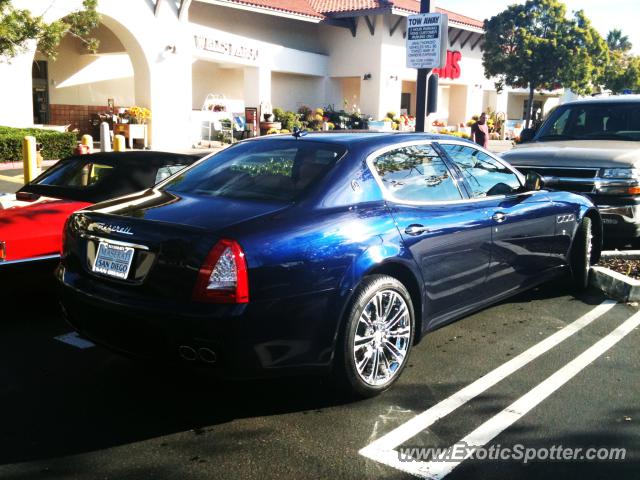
(580, 259)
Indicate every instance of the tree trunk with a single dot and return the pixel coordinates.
(527, 123)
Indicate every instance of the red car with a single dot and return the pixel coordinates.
(31, 221)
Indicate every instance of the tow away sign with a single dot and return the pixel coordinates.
(427, 38)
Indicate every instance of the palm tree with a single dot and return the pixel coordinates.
(617, 41)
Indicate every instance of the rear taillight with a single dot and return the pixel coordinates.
(3, 251)
(223, 276)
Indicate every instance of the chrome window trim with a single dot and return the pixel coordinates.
(506, 165)
(114, 242)
(388, 196)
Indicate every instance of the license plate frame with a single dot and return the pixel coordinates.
(113, 260)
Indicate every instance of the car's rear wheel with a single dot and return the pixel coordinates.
(377, 337)
(580, 260)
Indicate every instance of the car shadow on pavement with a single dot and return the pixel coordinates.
(102, 400)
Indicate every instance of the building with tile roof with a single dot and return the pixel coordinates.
(184, 59)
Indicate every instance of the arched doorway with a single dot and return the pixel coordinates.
(79, 88)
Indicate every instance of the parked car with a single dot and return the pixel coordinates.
(591, 147)
(31, 220)
(326, 253)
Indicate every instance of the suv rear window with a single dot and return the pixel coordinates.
(269, 170)
(593, 121)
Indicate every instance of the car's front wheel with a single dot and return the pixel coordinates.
(581, 254)
(377, 336)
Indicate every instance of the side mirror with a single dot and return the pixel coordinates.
(527, 135)
(532, 181)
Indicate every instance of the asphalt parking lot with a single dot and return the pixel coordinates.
(563, 371)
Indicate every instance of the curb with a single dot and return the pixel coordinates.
(626, 254)
(615, 285)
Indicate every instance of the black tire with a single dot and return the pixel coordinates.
(580, 258)
(346, 372)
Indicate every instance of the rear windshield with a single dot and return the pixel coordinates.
(75, 174)
(263, 170)
(593, 121)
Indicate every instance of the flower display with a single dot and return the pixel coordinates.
(139, 115)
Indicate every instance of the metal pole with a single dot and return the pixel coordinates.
(421, 87)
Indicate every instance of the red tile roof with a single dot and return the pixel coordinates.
(299, 7)
(329, 6)
(319, 8)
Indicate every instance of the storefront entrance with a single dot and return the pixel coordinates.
(40, 78)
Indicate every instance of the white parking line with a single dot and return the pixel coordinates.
(75, 340)
(382, 449)
(507, 417)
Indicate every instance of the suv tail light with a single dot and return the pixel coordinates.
(223, 276)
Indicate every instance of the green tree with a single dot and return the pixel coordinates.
(622, 73)
(617, 41)
(536, 46)
(18, 26)
(623, 70)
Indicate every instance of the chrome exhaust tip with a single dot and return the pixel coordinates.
(187, 353)
(207, 355)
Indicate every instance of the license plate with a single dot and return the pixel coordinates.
(113, 260)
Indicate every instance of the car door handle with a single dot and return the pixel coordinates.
(416, 229)
(499, 217)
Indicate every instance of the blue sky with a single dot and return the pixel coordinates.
(604, 14)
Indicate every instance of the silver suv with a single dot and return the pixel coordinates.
(592, 147)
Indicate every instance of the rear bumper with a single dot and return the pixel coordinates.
(249, 341)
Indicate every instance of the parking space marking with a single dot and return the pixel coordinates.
(75, 340)
(382, 449)
(507, 417)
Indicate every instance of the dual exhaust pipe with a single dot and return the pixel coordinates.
(204, 354)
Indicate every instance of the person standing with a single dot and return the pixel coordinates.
(480, 131)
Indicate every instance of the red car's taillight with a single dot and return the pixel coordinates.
(223, 276)
(3, 251)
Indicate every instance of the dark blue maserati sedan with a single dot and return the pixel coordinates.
(324, 253)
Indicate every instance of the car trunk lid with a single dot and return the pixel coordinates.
(156, 252)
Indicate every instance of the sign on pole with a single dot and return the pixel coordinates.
(427, 39)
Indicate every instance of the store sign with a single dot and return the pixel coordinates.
(427, 39)
(224, 47)
(452, 68)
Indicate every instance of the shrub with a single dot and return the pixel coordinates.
(289, 120)
(55, 145)
(460, 134)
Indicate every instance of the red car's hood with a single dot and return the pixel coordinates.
(34, 229)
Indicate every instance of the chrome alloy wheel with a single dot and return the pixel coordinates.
(382, 337)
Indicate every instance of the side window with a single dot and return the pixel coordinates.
(484, 174)
(167, 171)
(416, 174)
(558, 127)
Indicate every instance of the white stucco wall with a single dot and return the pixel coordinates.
(211, 78)
(289, 92)
(77, 77)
